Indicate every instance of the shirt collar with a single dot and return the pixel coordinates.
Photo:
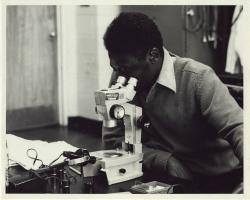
(167, 75)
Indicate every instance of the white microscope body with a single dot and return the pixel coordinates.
(112, 105)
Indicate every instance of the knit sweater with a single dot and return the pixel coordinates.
(201, 124)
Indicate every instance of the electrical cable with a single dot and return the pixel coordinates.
(37, 159)
(204, 19)
(214, 25)
(196, 27)
(204, 25)
(237, 17)
(34, 158)
(69, 176)
(55, 159)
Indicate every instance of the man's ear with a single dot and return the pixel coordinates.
(154, 55)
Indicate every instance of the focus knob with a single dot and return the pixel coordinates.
(117, 112)
(122, 171)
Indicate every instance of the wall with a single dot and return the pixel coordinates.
(93, 64)
(105, 15)
(165, 17)
(85, 61)
(180, 36)
(67, 62)
(170, 20)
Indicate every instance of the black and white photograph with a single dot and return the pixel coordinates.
(126, 99)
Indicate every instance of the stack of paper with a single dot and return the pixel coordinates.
(47, 152)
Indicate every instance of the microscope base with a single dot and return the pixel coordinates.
(119, 165)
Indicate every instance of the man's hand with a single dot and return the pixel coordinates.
(177, 170)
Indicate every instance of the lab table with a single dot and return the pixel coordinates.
(22, 181)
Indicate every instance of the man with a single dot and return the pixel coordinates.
(195, 130)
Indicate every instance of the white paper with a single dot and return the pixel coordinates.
(47, 152)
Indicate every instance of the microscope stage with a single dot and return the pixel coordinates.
(111, 158)
(119, 165)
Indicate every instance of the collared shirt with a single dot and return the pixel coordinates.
(192, 117)
(167, 76)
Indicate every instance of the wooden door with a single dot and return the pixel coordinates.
(31, 71)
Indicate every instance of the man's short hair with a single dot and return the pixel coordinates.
(132, 33)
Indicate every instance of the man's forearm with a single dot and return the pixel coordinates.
(155, 158)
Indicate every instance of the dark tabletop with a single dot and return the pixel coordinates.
(22, 181)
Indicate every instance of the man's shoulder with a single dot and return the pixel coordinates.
(190, 65)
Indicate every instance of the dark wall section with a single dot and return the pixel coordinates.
(169, 20)
(224, 28)
(187, 30)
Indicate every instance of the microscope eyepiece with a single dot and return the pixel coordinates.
(133, 81)
(121, 80)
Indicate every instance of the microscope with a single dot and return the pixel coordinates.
(112, 105)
